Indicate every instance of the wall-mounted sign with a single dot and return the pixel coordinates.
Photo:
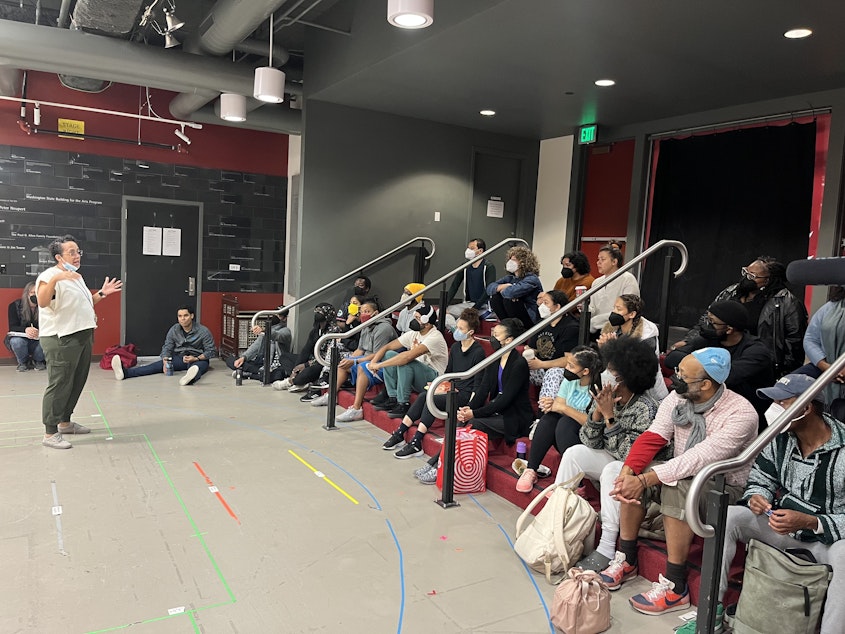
(588, 134)
(74, 126)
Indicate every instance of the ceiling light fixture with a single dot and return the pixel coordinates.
(173, 23)
(181, 134)
(269, 82)
(605, 82)
(232, 107)
(487, 113)
(797, 34)
(410, 14)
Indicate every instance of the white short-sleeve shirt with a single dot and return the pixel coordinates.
(71, 309)
(438, 352)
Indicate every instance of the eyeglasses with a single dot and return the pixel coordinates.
(749, 275)
(683, 377)
(715, 323)
(74, 252)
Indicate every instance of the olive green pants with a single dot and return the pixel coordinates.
(68, 362)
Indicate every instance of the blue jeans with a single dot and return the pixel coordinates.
(24, 348)
(401, 379)
(157, 367)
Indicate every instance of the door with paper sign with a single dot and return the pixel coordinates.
(161, 267)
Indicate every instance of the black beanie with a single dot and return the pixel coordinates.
(732, 313)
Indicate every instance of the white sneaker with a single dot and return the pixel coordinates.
(298, 388)
(321, 401)
(190, 375)
(282, 385)
(350, 415)
(56, 442)
(117, 366)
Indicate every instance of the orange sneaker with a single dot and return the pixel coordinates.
(618, 572)
(526, 481)
(661, 598)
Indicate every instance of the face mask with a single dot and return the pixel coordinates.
(352, 309)
(365, 318)
(615, 319)
(33, 299)
(711, 334)
(679, 386)
(469, 254)
(414, 324)
(495, 344)
(544, 311)
(319, 318)
(70, 267)
(459, 335)
(610, 379)
(512, 266)
(746, 286)
(566, 273)
(570, 376)
(773, 413)
(358, 291)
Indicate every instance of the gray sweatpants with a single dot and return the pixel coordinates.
(743, 525)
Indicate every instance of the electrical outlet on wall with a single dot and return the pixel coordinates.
(436, 216)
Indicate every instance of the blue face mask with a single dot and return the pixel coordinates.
(70, 267)
(459, 335)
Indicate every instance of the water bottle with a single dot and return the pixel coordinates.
(168, 365)
(239, 377)
(520, 450)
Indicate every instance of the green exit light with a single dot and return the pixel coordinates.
(587, 133)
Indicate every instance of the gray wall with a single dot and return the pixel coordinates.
(371, 181)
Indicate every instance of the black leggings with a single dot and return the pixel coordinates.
(308, 374)
(553, 429)
(419, 411)
(505, 308)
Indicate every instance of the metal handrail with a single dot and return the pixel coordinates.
(456, 376)
(387, 312)
(285, 309)
(750, 453)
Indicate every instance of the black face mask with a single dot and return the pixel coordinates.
(359, 291)
(566, 273)
(415, 324)
(615, 319)
(570, 376)
(495, 344)
(746, 286)
(33, 299)
(319, 318)
(679, 386)
(710, 333)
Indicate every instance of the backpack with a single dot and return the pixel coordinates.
(783, 588)
(555, 540)
(581, 604)
(127, 355)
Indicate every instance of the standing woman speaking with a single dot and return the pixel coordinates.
(67, 322)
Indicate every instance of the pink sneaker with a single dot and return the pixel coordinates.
(660, 599)
(618, 572)
(526, 481)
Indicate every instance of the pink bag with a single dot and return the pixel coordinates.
(581, 604)
(470, 462)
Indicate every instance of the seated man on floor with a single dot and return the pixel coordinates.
(707, 422)
(354, 367)
(424, 357)
(475, 279)
(188, 344)
(795, 497)
(251, 362)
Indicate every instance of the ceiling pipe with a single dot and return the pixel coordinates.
(271, 118)
(259, 47)
(10, 81)
(64, 15)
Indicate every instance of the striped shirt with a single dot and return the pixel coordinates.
(814, 485)
(731, 426)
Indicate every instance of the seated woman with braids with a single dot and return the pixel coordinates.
(564, 415)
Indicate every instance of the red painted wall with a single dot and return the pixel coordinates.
(607, 194)
(214, 146)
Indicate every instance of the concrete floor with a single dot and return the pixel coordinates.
(215, 508)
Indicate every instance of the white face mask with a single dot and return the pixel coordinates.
(512, 266)
(469, 254)
(404, 298)
(773, 413)
(544, 311)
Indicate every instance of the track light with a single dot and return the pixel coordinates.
(181, 134)
(36, 115)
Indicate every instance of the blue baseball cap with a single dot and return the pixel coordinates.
(789, 386)
(716, 362)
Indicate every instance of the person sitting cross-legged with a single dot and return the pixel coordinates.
(706, 422)
(251, 362)
(354, 367)
(621, 410)
(465, 353)
(306, 369)
(795, 496)
(410, 362)
(188, 344)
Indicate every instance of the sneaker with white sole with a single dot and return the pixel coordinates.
(618, 572)
(321, 401)
(429, 476)
(74, 428)
(396, 438)
(408, 451)
(56, 442)
(350, 415)
(661, 598)
(526, 481)
(190, 375)
(282, 385)
(298, 388)
(423, 469)
(117, 366)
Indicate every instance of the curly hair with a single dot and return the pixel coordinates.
(470, 315)
(578, 260)
(527, 260)
(634, 360)
(57, 246)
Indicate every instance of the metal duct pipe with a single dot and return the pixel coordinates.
(270, 118)
(64, 15)
(259, 47)
(52, 50)
(10, 81)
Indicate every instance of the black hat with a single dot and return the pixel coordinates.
(732, 313)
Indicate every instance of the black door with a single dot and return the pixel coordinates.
(156, 285)
(496, 180)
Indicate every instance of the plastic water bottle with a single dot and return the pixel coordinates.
(239, 377)
(168, 365)
(520, 450)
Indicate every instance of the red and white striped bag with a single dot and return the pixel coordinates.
(470, 462)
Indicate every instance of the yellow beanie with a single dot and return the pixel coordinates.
(412, 288)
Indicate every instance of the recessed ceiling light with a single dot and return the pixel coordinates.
(487, 113)
(605, 82)
(797, 34)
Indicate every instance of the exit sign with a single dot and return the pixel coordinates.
(587, 134)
